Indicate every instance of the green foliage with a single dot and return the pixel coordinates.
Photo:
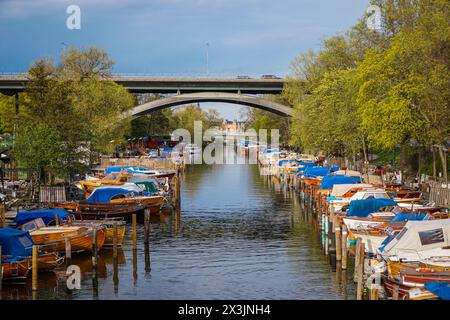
(44, 149)
(82, 111)
(7, 114)
(389, 87)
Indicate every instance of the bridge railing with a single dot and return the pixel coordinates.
(169, 75)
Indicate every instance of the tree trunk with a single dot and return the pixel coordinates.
(443, 155)
(366, 159)
(433, 150)
(419, 164)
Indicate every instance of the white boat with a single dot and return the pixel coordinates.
(419, 240)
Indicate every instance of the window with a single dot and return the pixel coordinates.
(401, 233)
(431, 236)
(25, 241)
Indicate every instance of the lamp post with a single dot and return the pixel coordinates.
(207, 58)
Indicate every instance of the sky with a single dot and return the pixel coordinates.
(169, 37)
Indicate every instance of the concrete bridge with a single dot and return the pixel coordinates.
(187, 90)
(189, 98)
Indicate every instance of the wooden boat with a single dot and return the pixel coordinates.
(371, 239)
(17, 250)
(15, 269)
(436, 263)
(420, 294)
(395, 267)
(114, 199)
(419, 276)
(391, 283)
(52, 239)
(109, 229)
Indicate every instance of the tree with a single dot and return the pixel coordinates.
(7, 114)
(74, 100)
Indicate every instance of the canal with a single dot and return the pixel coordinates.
(239, 235)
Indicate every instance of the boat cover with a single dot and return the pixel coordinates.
(16, 243)
(330, 180)
(340, 189)
(349, 173)
(288, 161)
(130, 169)
(47, 216)
(147, 186)
(419, 236)
(441, 289)
(313, 172)
(408, 216)
(362, 208)
(104, 194)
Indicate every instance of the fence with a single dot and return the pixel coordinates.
(49, 194)
(440, 194)
(167, 164)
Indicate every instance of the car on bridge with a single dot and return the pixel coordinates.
(269, 76)
(243, 77)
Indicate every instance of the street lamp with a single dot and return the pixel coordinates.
(207, 58)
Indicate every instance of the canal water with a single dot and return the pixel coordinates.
(239, 235)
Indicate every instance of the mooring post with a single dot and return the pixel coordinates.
(115, 241)
(68, 251)
(395, 289)
(344, 246)
(373, 292)
(360, 283)
(338, 237)
(1, 272)
(133, 222)
(357, 257)
(94, 248)
(146, 226)
(34, 268)
(2, 215)
(178, 189)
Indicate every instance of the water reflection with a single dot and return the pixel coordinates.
(238, 235)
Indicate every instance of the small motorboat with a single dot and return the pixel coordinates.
(17, 248)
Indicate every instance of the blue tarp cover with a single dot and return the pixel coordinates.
(104, 195)
(408, 216)
(46, 215)
(362, 208)
(128, 168)
(441, 289)
(334, 168)
(330, 180)
(16, 243)
(313, 172)
(290, 161)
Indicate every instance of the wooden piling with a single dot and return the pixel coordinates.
(147, 240)
(373, 292)
(115, 242)
(94, 248)
(146, 226)
(2, 216)
(34, 269)
(344, 247)
(395, 289)
(68, 251)
(338, 237)
(357, 251)
(1, 272)
(134, 231)
(360, 268)
(57, 219)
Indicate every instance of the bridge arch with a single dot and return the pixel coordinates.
(189, 98)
